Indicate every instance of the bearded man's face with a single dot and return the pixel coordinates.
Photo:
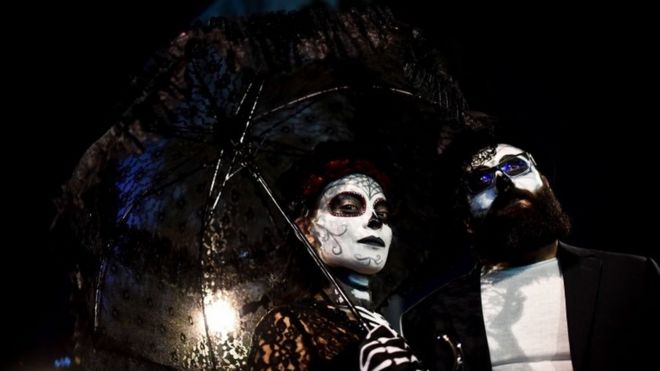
(513, 211)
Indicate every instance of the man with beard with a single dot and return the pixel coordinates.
(533, 302)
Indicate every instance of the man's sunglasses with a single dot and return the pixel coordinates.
(515, 165)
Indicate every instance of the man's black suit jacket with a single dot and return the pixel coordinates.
(612, 308)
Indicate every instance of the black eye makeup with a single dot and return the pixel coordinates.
(382, 210)
(347, 204)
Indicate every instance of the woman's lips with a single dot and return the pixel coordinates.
(372, 240)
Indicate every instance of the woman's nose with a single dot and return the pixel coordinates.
(374, 221)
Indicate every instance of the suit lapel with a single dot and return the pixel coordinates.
(463, 305)
(581, 274)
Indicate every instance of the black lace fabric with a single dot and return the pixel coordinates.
(310, 335)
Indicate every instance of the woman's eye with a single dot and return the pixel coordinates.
(347, 204)
(349, 207)
(382, 211)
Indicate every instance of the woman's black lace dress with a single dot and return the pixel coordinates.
(309, 335)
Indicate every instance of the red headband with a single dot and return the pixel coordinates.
(332, 170)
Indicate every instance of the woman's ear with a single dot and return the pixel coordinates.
(302, 223)
(305, 225)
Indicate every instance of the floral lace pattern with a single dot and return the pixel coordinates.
(310, 335)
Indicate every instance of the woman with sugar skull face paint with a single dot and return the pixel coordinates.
(345, 217)
(350, 229)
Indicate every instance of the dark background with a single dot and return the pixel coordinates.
(575, 86)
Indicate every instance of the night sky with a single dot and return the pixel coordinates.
(574, 86)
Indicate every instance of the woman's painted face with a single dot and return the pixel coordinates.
(351, 224)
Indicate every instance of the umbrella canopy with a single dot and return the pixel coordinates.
(182, 250)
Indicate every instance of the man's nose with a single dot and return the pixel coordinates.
(374, 221)
(502, 181)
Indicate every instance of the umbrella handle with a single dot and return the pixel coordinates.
(264, 185)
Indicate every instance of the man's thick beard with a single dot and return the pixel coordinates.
(505, 234)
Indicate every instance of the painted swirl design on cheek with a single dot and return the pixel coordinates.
(368, 260)
(327, 237)
(336, 247)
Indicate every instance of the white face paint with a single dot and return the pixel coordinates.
(528, 180)
(350, 222)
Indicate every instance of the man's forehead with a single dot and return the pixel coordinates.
(483, 158)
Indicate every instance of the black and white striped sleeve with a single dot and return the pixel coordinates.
(385, 350)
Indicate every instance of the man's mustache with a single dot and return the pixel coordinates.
(512, 194)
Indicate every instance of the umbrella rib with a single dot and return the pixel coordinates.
(100, 278)
(215, 172)
(240, 104)
(260, 145)
(249, 120)
(407, 93)
(340, 88)
(283, 120)
(235, 172)
(237, 151)
(301, 99)
(219, 162)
